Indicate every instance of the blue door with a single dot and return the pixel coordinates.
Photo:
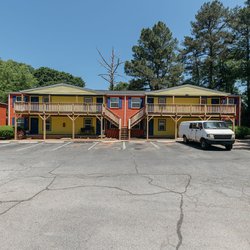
(34, 126)
(215, 101)
(151, 127)
(98, 127)
(150, 100)
(34, 99)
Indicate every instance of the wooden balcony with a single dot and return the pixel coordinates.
(190, 110)
(58, 108)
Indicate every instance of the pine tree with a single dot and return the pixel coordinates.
(155, 62)
(207, 53)
(241, 28)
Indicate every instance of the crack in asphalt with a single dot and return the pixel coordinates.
(109, 187)
(181, 217)
(28, 199)
(100, 175)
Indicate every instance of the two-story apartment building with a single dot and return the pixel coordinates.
(63, 110)
(3, 113)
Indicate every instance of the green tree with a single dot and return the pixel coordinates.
(121, 86)
(46, 76)
(15, 76)
(155, 62)
(207, 53)
(241, 28)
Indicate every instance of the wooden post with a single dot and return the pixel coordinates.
(175, 128)
(147, 126)
(233, 124)
(73, 127)
(44, 127)
(15, 127)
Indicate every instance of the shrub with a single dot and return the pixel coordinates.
(6, 132)
(241, 132)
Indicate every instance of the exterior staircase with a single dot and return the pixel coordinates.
(124, 133)
(136, 118)
(110, 116)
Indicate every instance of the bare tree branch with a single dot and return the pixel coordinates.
(111, 68)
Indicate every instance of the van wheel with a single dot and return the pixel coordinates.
(204, 144)
(229, 147)
(185, 139)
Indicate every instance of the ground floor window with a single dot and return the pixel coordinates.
(161, 125)
(48, 124)
(87, 122)
(20, 122)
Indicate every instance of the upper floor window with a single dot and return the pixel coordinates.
(45, 99)
(203, 100)
(135, 102)
(162, 100)
(230, 100)
(114, 102)
(18, 99)
(88, 99)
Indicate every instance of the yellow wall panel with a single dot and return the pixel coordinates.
(169, 127)
(63, 125)
(187, 100)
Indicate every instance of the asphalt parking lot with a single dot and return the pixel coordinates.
(123, 195)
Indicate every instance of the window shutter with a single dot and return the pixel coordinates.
(129, 102)
(120, 102)
(13, 101)
(13, 121)
(108, 102)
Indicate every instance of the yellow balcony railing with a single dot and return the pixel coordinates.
(58, 108)
(186, 109)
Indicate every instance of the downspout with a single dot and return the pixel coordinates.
(9, 110)
(125, 110)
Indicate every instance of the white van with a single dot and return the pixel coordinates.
(207, 133)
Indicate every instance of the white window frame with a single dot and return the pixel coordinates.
(48, 124)
(18, 98)
(161, 100)
(114, 102)
(135, 102)
(231, 100)
(164, 124)
(88, 123)
(20, 122)
(88, 99)
(46, 98)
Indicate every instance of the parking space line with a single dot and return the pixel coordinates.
(7, 144)
(123, 145)
(61, 146)
(93, 145)
(156, 146)
(21, 149)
